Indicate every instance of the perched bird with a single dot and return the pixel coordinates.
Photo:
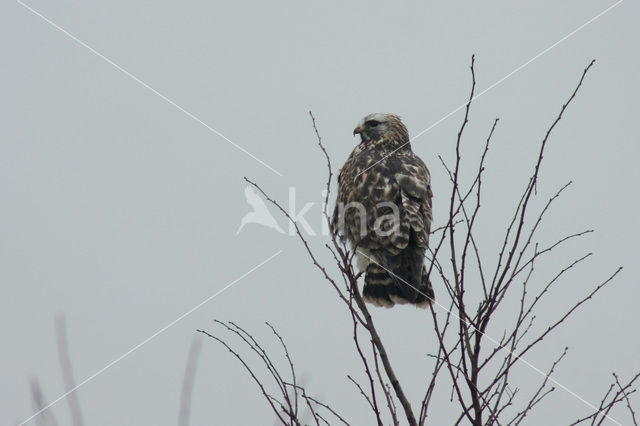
(383, 209)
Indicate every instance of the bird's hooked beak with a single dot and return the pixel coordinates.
(357, 130)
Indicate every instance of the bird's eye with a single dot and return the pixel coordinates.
(373, 123)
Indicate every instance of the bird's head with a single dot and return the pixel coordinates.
(379, 126)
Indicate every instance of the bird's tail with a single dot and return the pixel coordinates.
(425, 296)
(382, 288)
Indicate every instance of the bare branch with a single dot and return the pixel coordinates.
(67, 371)
(44, 417)
(188, 381)
(266, 395)
(609, 400)
(625, 393)
(385, 388)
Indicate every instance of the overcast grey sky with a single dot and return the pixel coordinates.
(121, 211)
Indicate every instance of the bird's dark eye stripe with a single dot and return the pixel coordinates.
(373, 123)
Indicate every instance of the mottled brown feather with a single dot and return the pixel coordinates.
(384, 169)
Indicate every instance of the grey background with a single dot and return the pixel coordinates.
(121, 212)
